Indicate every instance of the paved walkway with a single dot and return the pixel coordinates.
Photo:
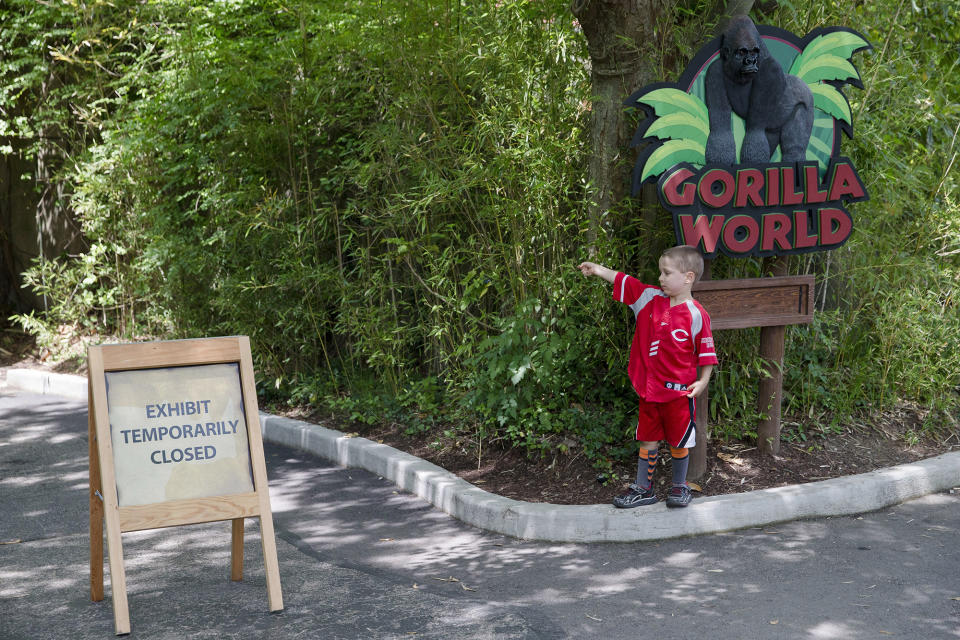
(361, 558)
(584, 523)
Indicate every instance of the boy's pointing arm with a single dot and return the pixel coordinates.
(600, 271)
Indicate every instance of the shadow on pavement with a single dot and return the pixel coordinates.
(361, 559)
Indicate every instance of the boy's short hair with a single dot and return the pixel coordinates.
(686, 257)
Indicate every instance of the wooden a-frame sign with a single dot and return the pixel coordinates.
(174, 440)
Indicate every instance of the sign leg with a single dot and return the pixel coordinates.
(270, 564)
(236, 550)
(96, 509)
(698, 455)
(771, 390)
(118, 576)
(771, 387)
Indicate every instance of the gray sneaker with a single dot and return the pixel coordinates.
(679, 496)
(636, 497)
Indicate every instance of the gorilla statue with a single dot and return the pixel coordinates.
(777, 108)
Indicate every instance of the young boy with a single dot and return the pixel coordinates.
(671, 340)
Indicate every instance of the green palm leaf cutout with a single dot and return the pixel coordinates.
(666, 101)
(829, 100)
(673, 152)
(826, 67)
(680, 126)
(820, 150)
(838, 43)
(821, 163)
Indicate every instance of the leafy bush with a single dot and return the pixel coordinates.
(389, 199)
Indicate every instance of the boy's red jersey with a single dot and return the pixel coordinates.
(669, 343)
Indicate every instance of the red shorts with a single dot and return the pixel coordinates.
(673, 421)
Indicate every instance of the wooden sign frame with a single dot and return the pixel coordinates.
(757, 302)
(104, 503)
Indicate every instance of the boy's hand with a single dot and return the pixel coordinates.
(593, 269)
(696, 388)
(700, 384)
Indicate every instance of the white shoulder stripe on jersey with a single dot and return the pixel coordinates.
(696, 320)
(645, 298)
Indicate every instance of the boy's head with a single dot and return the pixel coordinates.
(686, 259)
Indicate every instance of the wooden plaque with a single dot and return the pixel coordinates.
(174, 439)
(756, 302)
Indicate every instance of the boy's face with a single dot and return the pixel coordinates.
(673, 281)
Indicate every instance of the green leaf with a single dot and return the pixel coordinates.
(671, 153)
(821, 163)
(826, 67)
(829, 100)
(680, 126)
(666, 101)
(819, 150)
(838, 43)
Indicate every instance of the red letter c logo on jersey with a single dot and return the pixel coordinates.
(680, 335)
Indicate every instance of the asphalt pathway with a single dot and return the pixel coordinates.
(361, 559)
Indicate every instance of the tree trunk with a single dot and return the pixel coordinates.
(33, 225)
(18, 230)
(733, 9)
(57, 229)
(620, 38)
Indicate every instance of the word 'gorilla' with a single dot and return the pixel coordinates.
(777, 108)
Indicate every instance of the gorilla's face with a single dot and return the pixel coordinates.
(745, 63)
(741, 52)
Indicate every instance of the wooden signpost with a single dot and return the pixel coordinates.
(769, 303)
(174, 440)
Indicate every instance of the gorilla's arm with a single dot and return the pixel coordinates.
(766, 98)
(721, 148)
(798, 124)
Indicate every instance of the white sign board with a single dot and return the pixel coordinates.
(178, 433)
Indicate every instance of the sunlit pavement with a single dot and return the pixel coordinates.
(360, 559)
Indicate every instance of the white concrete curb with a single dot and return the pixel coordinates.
(581, 523)
(59, 384)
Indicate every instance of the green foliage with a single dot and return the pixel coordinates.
(826, 58)
(888, 322)
(388, 199)
(530, 380)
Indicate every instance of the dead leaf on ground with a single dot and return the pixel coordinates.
(734, 460)
(695, 487)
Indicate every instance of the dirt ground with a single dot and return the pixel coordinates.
(732, 467)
